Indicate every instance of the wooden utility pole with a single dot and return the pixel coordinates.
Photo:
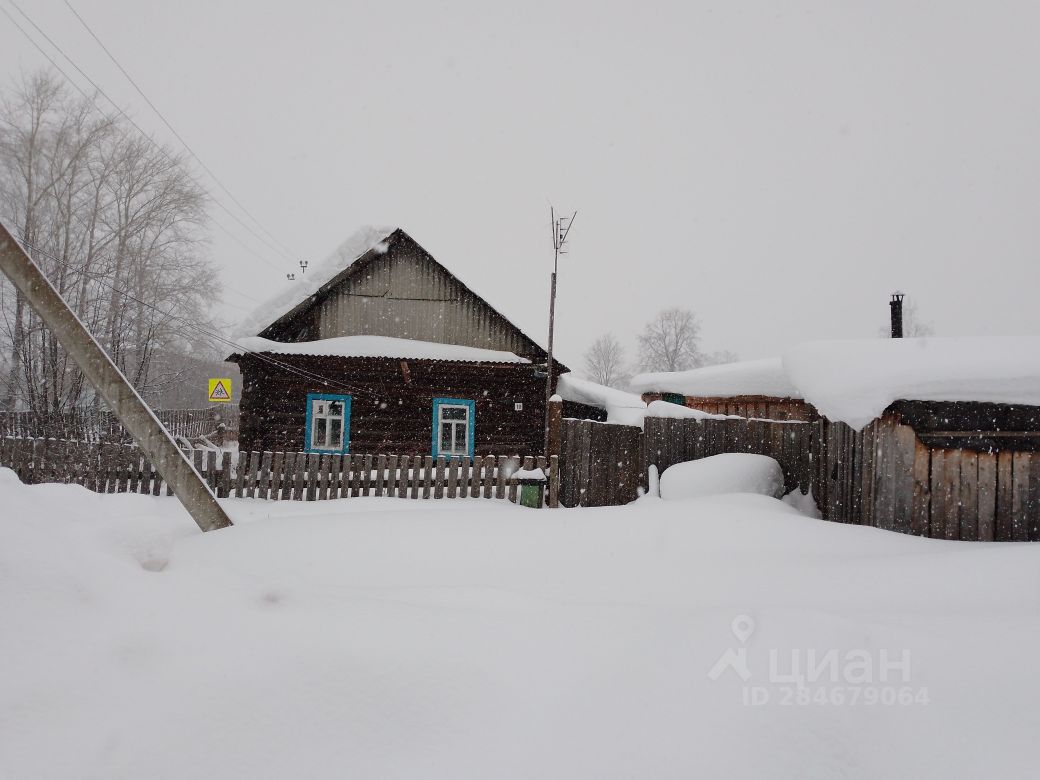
(153, 439)
(561, 227)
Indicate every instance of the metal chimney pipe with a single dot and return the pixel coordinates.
(896, 305)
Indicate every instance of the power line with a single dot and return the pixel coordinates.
(265, 357)
(129, 119)
(287, 252)
(44, 53)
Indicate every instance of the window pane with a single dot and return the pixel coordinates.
(446, 438)
(336, 408)
(336, 433)
(453, 413)
(461, 432)
(320, 431)
(319, 407)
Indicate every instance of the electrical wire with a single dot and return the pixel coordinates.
(162, 150)
(238, 348)
(287, 252)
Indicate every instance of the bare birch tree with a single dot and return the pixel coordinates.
(670, 342)
(116, 223)
(605, 361)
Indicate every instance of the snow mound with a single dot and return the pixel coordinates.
(677, 412)
(855, 380)
(734, 472)
(379, 346)
(317, 276)
(622, 408)
(746, 377)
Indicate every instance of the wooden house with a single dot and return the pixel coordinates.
(381, 349)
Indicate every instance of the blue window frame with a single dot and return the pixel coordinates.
(454, 423)
(328, 423)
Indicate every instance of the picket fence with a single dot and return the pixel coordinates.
(100, 425)
(277, 476)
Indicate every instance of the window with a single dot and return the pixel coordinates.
(453, 426)
(674, 398)
(328, 423)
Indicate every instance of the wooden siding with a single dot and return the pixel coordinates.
(404, 293)
(392, 402)
(762, 407)
(903, 484)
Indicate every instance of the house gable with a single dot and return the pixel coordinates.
(400, 290)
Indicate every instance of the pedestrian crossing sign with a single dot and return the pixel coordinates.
(219, 390)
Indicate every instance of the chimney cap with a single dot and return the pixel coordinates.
(897, 296)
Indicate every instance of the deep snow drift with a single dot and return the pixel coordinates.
(390, 638)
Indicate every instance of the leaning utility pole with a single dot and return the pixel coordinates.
(561, 227)
(154, 440)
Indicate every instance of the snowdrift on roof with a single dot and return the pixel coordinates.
(621, 407)
(746, 377)
(316, 277)
(378, 346)
(854, 381)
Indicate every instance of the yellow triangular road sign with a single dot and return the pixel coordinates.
(219, 390)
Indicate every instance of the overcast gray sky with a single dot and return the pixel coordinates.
(779, 168)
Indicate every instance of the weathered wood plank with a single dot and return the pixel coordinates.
(903, 444)
(554, 482)
(299, 476)
(265, 474)
(987, 496)
(920, 506)
(1020, 496)
(489, 476)
(405, 463)
(438, 482)
(952, 493)
(939, 511)
(453, 477)
(380, 475)
(277, 467)
(392, 475)
(366, 484)
(1005, 497)
(968, 502)
(1033, 508)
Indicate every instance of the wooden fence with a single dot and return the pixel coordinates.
(886, 476)
(792, 444)
(103, 426)
(600, 464)
(299, 476)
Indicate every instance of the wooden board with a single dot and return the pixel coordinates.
(1005, 497)
(968, 502)
(987, 496)
(1020, 496)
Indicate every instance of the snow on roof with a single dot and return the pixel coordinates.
(317, 276)
(585, 391)
(378, 346)
(854, 381)
(746, 377)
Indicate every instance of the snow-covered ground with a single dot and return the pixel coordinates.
(385, 638)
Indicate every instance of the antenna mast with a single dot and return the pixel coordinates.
(561, 228)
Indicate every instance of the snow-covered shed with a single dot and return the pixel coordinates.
(936, 437)
(381, 349)
(748, 388)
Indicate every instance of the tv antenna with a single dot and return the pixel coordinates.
(561, 228)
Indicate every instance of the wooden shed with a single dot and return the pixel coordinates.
(380, 349)
(751, 388)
